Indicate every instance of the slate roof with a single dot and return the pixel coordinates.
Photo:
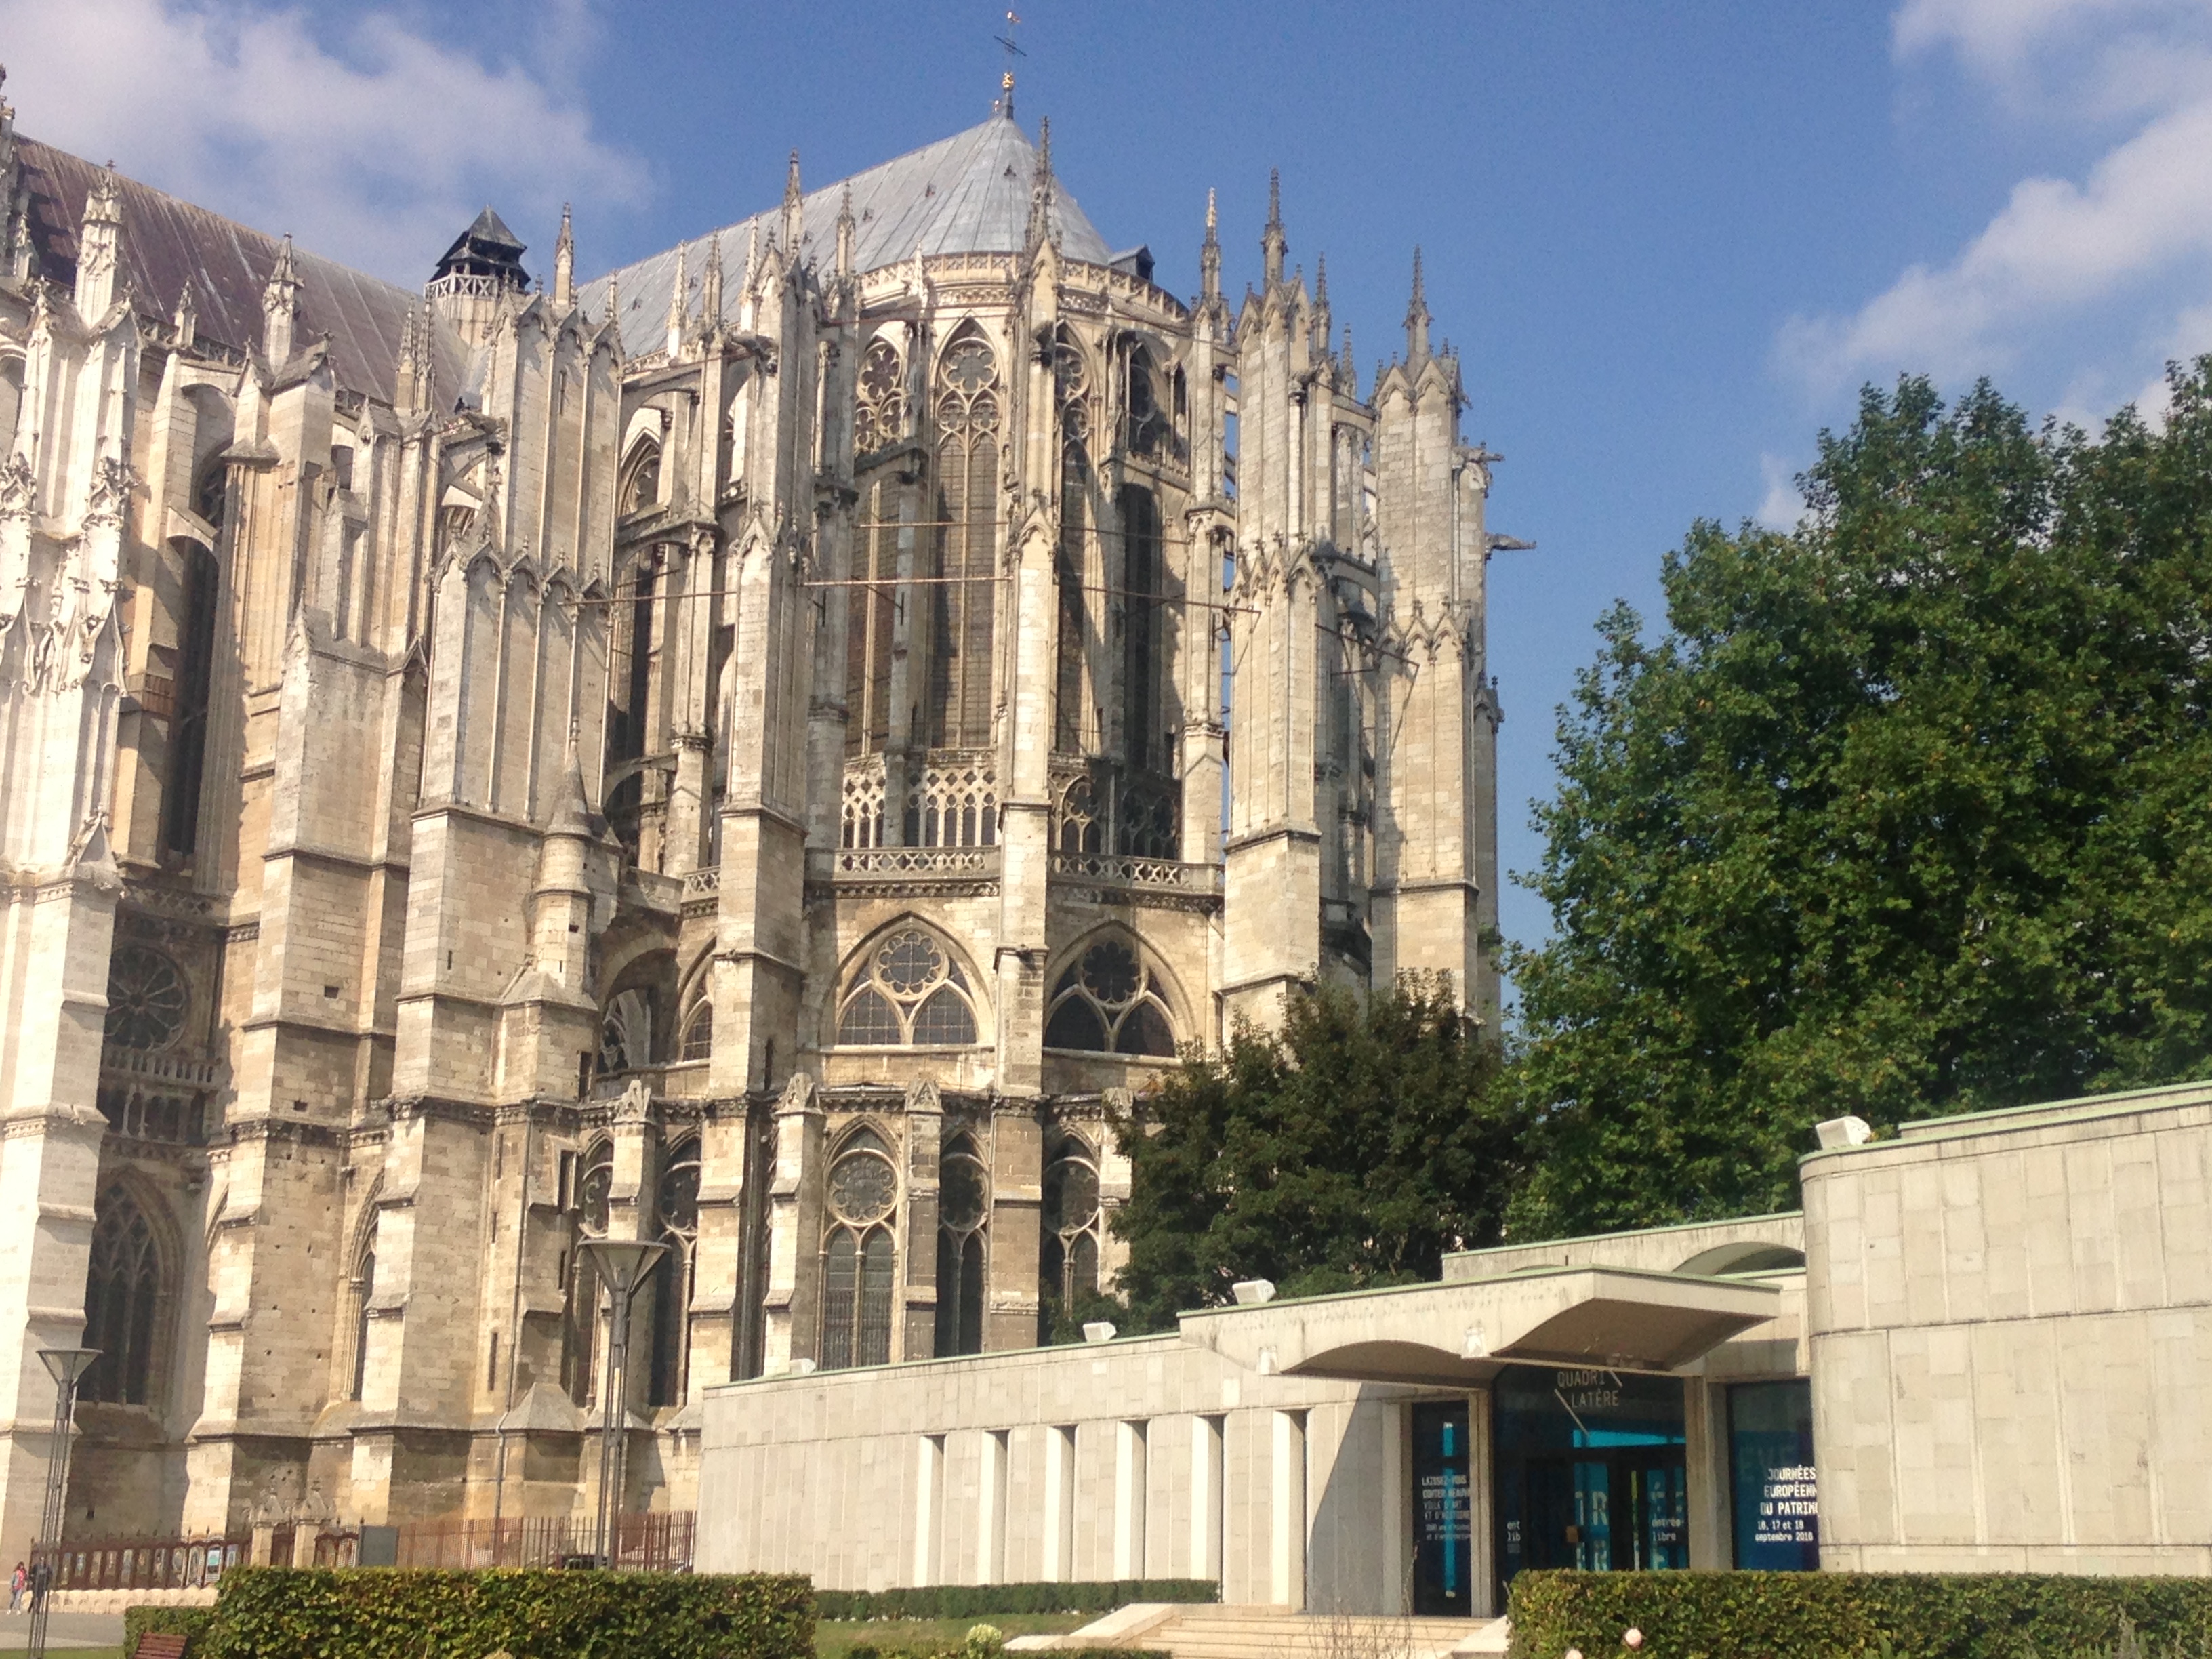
(966, 194)
(168, 244)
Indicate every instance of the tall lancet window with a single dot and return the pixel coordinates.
(677, 1204)
(196, 628)
(1143, 739)
(880, 421)
(957, 713)
(858, 1256)
(588, 1195)
(125, 1303)
(1075, 727)
(963, 1203)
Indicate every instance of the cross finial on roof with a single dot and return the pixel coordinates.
(1006, 105)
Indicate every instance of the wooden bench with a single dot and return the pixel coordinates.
(159, 1645)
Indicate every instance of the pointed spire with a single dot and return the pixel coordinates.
(1322, 330)
(185, 319)
(1209, 253)
(1041, 192)
(846, 228)
(794, 211)
(100, 247)
(564, 264)
(614, 301)
(280, 306)
(1272, 242)
(710, 293)
(678, 303)
(1417, 321)
(402, 387)
(1349, 369)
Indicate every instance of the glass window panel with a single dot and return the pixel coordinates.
(943, 1020)
(1071, 1196)
(839, 1280)
(961, 1190)
(862, 1188)
(870, 1021)
(1075, 1024)
(874, 1345)
(1110, 973)
(971, 1294)
(1145, 1031)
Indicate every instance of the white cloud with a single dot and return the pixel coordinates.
(2134, 231)
(1784, 504)
(376, 153)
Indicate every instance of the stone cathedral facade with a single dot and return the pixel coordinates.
(766, 750)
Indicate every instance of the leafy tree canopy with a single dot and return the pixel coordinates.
(1907, 811)
(1352, 1149)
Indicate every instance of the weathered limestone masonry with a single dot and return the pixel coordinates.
(731, 753)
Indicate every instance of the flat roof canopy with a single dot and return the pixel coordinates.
(1460, 1333)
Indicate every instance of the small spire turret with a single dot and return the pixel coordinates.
(1209, 253)
(100, 247)
(794, 210)
(280, 306)
(564, 264)
(1321, 318)
(678, 303)
(1272, 244)
(1040, 229)
(846, 229)
(1417, 321)
(710, 287)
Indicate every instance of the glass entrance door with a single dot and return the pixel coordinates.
(1442, 1530)
(1609, 1510)
(1590, 1471)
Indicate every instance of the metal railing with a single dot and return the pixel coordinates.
(644, 1543)
(184, 1562)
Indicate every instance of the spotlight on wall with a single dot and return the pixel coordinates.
(1843, 1132)
(1250, 1292)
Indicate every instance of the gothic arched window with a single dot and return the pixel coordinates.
(1142, 738)
(699, 1031)
(677, 1204)
(195, 630)
(964, 1205)
(1067, 1263)
(1107, 1003)
(591, 1200)
(124, 1303)
(908, 992)
(958, 711)
(879, 414)
(1073, 722)
(364, 1287)
(147, 998)
(641, 479)
(858, 1256)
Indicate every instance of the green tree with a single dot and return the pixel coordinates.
(1352, 1149)
(1907, 811)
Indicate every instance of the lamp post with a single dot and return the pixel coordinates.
(621, 1265)
(65, 1366)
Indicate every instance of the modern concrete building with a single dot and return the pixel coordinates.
(1982, 1345)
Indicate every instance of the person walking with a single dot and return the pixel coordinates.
(15, 1589)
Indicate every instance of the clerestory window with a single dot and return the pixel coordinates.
(908, 992)
(857, 1255)
(1107, 1003)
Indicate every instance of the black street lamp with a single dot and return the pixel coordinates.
(65, 1366)
(621, 1265)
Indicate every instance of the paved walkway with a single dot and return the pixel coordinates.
(63, 1630)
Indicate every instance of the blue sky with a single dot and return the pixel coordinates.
(1669, 241)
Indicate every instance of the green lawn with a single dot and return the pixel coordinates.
(835, 1637)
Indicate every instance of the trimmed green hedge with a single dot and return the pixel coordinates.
(1853, 1615)
(979, 1600)
(408, 1612)
(190, 1622)
(862, 1650)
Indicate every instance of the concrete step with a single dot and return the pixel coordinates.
(1264, 1632)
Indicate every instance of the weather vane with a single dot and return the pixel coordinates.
(1007, 80)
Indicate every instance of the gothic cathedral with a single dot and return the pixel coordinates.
(767, 751)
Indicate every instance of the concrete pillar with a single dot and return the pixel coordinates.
(1287, 1509)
